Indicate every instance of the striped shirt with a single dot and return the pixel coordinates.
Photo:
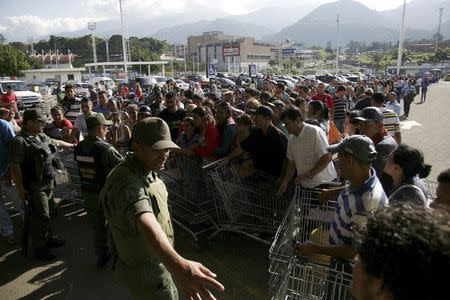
(390, 121)
(340, 108)
(353, 207)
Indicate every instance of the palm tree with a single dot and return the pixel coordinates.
(442, 55)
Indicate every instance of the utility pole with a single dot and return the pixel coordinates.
(91, 27)
(439, 29)
(124, 46)
(400, 42)
(337, 45)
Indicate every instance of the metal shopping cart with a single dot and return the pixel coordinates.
(431, 187)
(308, 279)
(306, 219)
(191, 194)
(69, 186)
(247, 205)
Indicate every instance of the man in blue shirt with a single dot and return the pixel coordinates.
(392, 103)
(362, 194)
(101, 107)
(6, 134)
(409, 92)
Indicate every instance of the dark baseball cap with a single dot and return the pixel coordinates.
(144, 109)
(278, 103)
(33, 114)
(97, 120)
(154, 132)
(264, 111)
(371, 113)
(359, 146)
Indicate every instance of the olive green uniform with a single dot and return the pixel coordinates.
(108, 160)
(39, 188)
(130, 191)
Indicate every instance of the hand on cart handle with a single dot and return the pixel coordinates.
(282, 188)
(329, 194)
(306, 248)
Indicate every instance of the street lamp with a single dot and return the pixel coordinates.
(91, 27)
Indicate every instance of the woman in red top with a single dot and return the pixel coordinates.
(138, 92)
(209, 135)
(9, 100)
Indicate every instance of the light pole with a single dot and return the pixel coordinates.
(400, 42)
(124, 47)
(439, 29)
(337, 46)
(91, 27)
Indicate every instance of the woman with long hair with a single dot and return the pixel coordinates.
(406, 166)
(319, 111)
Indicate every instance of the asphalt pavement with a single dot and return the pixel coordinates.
(426, 127)
(241, 263)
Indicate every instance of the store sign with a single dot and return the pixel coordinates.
(252, 70)
(288, 51)
(231, 50)
(212, 70)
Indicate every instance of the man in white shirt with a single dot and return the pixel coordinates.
(80, 122)
(306, 152)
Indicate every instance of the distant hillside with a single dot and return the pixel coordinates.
(181, 32)
(357, 22)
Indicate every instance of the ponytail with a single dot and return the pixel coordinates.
(425, 171)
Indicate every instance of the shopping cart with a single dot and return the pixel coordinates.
(308, 279)
(306, 219)
(431, 187)
(69, 188)
(247, 205)
(191, 194)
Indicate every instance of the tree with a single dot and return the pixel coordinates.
(407, 55)
(441, 55)
(12, 61)
(273, 63)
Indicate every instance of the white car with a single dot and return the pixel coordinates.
(161, 80)
(81, 88)
(182, 85)
(25, 98)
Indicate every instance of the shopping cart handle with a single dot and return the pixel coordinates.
(212, 164)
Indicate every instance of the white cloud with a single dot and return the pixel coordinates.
(22, 26)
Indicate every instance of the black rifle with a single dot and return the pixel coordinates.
(26, 227)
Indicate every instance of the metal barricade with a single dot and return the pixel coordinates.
(247, 205)
(191, 194)
(69, 189)
(306, 220)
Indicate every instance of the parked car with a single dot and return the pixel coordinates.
(25, 97)
(226, 83)
(160, 80)
(81, 88)
(146, 82)
(182, 85)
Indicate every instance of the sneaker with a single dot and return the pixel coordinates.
(103, 260)
(54, 242)
(44, 254)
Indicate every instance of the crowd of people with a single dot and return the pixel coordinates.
(309, 135)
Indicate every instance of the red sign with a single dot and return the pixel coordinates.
(231, 50)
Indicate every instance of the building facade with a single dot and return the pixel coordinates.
(231, 53)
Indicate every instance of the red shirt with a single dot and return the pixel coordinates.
(124, 91)
(9, 98)
(211, 141)
(139, 94)
(325, 98)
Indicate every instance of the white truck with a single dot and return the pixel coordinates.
(25, 98)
